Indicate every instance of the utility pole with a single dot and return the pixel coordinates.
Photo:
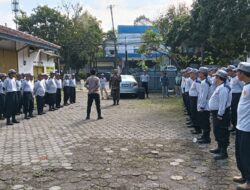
(15, 8)
(115, 40)
(126, 57)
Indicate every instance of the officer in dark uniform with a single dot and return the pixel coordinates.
(243, 129)
(114, 85)
(11, 100)
(219, 105)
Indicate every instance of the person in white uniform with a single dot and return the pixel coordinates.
(219, 105)
(11, 100)
(103, 82)
(236, 85)
(243, 129)
(39, 91)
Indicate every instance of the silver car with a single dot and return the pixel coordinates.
(128, 85)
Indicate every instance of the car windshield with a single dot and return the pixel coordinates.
(127, 77)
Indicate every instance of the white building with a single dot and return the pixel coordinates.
(26, 53)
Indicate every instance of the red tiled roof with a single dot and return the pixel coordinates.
(15, 35)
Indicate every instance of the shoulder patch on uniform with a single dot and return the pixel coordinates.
(197, 81)
(228, 87)
(209, 84)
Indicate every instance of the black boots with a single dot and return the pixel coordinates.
(216, 150)
(222, 155)
(8, 121)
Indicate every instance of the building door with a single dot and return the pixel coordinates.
(8, 60)
(37, 70)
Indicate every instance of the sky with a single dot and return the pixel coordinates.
(125, 11)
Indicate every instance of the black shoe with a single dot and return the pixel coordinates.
(26, 117)
(189, 123)
(190, 126)
(43, 113)
(31, 116)
(215, 151)
(1, 118)
(194, 132)
(87, 118)
(221, 156)
(15, 121)
(204, 141)
(99, 118)
(9, 123)
(39, 114)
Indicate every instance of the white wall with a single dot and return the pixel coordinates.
(33, 60)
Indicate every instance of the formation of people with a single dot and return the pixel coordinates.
(224, 95)
(19, 93)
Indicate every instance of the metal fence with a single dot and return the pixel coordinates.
(154, 83)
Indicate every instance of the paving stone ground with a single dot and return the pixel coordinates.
(141, 144)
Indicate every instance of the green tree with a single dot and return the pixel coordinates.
(79, 34)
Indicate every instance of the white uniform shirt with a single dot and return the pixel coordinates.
(183, 80)
(221, 99)
(58, 83)
(144, 78)
(65, 82)
(103, 82)
(195, 88)
(27, 86)
(39, 88)
(19, 85)
(72, 82)
(243, 122)
(51, 86)
(188, 83)
(10, 85)
(213, 84)
(1, 87)
(204, 95)
(236, 85)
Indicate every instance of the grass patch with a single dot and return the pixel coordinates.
(169, 104)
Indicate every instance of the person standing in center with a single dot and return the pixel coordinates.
(66, 90)
(114, 85)
(103, 82)
(144, 78)
(51, 89)
(93, 85)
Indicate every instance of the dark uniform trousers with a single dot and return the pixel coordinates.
(20, 101)
(234, 107)
(203, 117)
(91, 98)
(220, 128)
(242, 153)
(115, 94)
(58, 97)
(72, 95)
(11, 104)
(40, 104)
(2, 100)
(187, 100)
(46, 98)
(28, 103)
(145, 86)
(66, 92)
(194, 112)
(52, 100)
